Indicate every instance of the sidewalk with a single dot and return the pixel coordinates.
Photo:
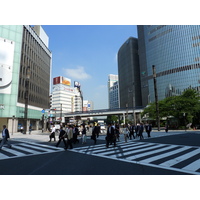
(35, 136)
(38, 136)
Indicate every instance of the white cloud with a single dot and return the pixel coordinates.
(77, 73)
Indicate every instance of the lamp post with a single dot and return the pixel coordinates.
(156, 96)
(28, 73)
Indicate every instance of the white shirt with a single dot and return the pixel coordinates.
(53, 129)
(4, 133)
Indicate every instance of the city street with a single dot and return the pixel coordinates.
(172, 153)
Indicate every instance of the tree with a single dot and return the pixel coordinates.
(184, 107)
(112, 118)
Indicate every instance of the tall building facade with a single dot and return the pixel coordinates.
(113, 91)
(88, 105)
(22, 50)
(65, 97)
(129, 74)
(174, 50)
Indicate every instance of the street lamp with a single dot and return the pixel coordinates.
(28, 73)
(156, 96)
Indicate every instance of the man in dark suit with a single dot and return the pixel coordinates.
(110, 137)
(5, 136)
(148, 129)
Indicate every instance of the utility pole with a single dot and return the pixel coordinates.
(156, 96)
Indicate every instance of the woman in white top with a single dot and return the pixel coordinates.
(124, 130)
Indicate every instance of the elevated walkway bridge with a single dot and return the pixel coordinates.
(135, 112)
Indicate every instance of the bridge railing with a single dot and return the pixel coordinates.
(104, 110)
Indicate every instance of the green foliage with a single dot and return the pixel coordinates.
(184, 107)
(112, 118)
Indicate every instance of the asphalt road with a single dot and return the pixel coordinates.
(82, 159)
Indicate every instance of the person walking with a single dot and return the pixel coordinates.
(141, 129)
(95, 132)
(124, 130)
(137, 128)
(52, 134)
(148, 129)
(75, 134)
(110, 137)
(131, 128)
(69, 136)
(5, 136)
(61, 137)
(30, 129)
(166, 128)
(84, 134)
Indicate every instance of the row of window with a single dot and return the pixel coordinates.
(160, 34)
(155, 29)
(34, 56)
(175, 70)
(196, 37)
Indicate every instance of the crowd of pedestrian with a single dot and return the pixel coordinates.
(70, 134)
(128, 130)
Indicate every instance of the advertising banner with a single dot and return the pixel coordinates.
(6, 65)
(61, 80)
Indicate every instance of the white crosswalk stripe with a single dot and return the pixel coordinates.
(27, 149)
(168, 156)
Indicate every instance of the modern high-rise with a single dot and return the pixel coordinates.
(129, 74)
(25, 68)
(113, 91)
(174, 50)
(65, 97)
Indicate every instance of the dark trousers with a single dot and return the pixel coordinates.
(141, 135)
(52, 135)
(63, 139)
(75, 138)
(69, 143)
(148, 133)
(131, 134)
(94, 137)
(110, 140)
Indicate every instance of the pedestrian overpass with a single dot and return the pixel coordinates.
(106, 112)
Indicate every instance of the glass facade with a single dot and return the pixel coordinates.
(129, 74)
(175, 52)
(113, 91)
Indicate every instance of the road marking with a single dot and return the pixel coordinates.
(28, 148)
(194, 166)
(154, 158)
(130, 152)
(179, 159)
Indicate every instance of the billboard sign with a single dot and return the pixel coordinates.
(6, 64)
(61, 80)
(77, 84)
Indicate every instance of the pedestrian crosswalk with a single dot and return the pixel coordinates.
(27, 149)
(167, 156)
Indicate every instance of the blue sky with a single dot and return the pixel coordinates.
(88, 54)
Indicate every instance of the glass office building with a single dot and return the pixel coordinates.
(175, 52)
(129, 74)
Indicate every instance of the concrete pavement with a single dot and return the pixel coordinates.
(38, 136)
